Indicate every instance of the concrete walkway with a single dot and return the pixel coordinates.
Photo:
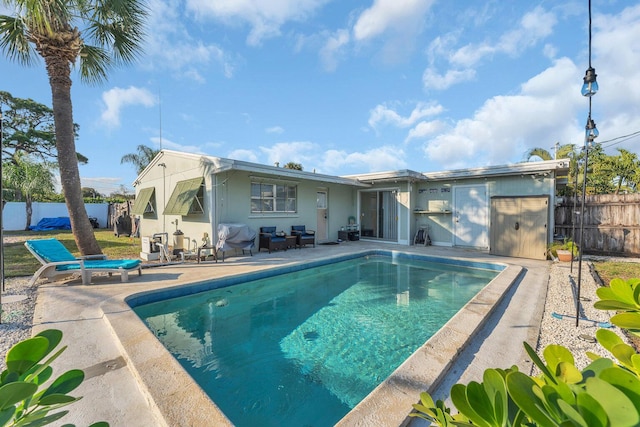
(131, 380)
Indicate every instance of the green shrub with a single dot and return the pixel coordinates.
(566, 244)
(605, 393)
(24, 399)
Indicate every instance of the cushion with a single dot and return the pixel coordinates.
(106, 264)
(51, 250)
(281, 234)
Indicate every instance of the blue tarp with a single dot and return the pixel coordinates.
(60, 223)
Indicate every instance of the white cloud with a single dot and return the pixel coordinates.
(616, 58)
(434, 81)
(170, 45)
(396, 24)
(506, 126)
(302, 152)
(246, 155)
(171, 145)
(382, 114)
(534, 26)
(333, 49)
(264, 17)
(117, 98)
(385, 15)
(424, 129)
(274, 129)
(376, 159)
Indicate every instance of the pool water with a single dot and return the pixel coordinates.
(304, 348)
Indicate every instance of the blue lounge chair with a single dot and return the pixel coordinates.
(57, 261)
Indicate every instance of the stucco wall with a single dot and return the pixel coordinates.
(438, 197)
(227, 199)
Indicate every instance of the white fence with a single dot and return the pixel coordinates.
(14, 214)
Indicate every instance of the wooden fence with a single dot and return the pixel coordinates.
(611, 223)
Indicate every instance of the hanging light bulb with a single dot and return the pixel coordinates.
(590, 86)
(591, 131)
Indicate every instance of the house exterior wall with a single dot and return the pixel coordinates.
(233, 202)
(227, 199)
(418, 199)
(164, 180)
(435, 205)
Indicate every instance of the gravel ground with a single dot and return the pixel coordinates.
(561, 300)
(17, 317)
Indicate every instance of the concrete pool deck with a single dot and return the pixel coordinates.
(132, 380)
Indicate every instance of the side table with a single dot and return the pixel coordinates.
(291, 241)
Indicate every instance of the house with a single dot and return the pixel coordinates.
(507, 210)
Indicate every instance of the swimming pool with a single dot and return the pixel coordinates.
(212, 340)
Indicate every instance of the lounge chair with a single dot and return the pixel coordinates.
(271, 240)
(303, 236)
(57, 261)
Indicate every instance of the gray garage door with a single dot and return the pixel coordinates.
(519, 226)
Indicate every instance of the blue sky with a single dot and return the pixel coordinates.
(359, 86)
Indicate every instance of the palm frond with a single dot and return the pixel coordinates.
(118, 25)
(14, 40)
(95, 64)
(538, 152)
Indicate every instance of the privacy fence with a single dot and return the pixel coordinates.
(611, 223)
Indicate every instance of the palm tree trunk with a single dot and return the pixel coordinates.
(28, 206)
(59, 71)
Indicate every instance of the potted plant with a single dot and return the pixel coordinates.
(564, 251)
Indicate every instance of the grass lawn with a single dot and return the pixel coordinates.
(18, 261)
(609, 270)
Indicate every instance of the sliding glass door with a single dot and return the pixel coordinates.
(379, 215)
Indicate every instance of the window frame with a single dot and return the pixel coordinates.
(279, 196)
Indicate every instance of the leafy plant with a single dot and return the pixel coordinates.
(605, 393)
(567, 245)
(24, 399)
(624, 297)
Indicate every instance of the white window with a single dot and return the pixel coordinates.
(269, 197)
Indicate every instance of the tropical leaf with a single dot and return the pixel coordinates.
(26, 354)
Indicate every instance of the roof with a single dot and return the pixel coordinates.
(559, 167)
(528, 168)
(215, 165)
(400, 175)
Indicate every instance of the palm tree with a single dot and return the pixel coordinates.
(140, 160)
(47, 28)
(625, 167)
(29, 179)
(293, 165)
(561, 152)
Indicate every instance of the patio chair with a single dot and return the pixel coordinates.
(271, 240)
(303, 236)
(57, 261)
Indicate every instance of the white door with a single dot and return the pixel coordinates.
(471, 216)
(322, 230)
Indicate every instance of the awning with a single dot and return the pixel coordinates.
(183, 197)
(143, 203)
